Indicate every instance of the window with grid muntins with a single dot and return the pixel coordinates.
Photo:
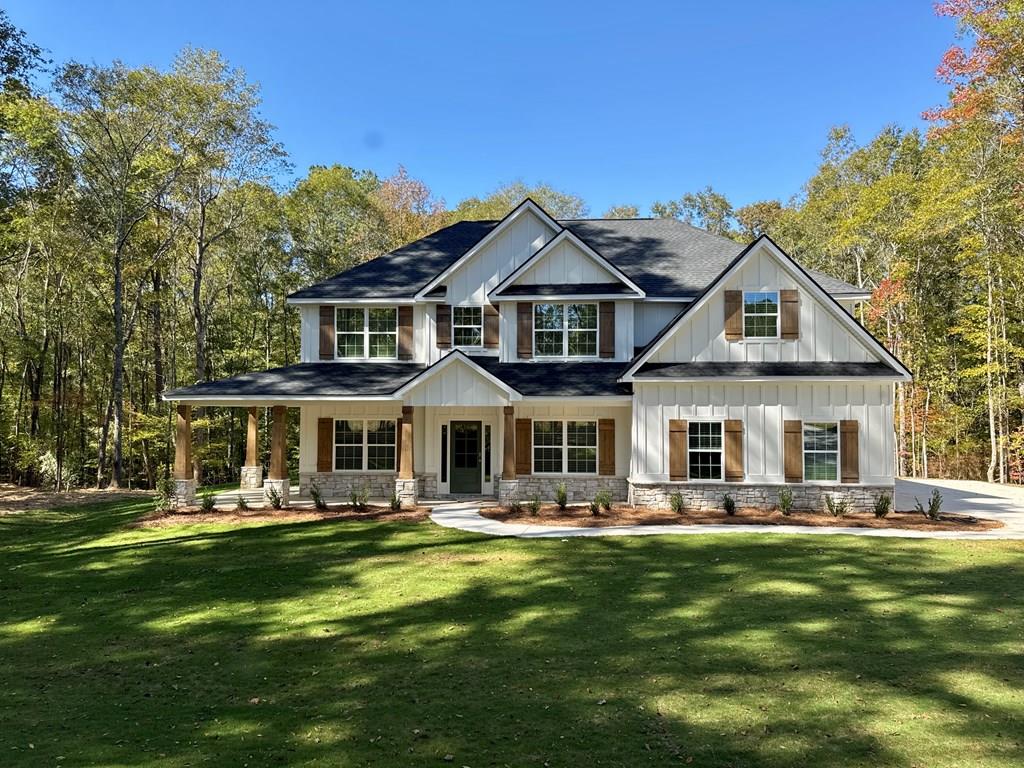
(366, 445)
(468, 326)
(547, 446)
(383, 331)
(581, 322)
(366, 332)
(348, 445)
(565, 330)
(761, 314)
(704, 450)
(581, 450)
(380, 445)
(561, 447)
(349, 327)
(821, 451)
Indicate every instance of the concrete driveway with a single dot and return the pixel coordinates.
(972, 497)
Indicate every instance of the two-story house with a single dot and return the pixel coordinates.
(642, 356)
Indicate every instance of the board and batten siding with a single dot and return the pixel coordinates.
(823, 338)
(763, 407)
(621, 414)
(565, 264)
(456, 385)
(370, 409)
(650, 317)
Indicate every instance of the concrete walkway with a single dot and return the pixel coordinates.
(1004, 503)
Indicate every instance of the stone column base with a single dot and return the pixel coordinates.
(508, 490)
(405, 490)
(281, 486)
(184, 493)
(251, 478)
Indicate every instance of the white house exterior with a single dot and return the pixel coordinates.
(642, 356)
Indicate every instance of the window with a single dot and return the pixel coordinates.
(565, 330)
(761, 314)
(366, 332)
(704, 444)
(821, 451)
(487, 453)
(565, 447)
(468, 326)
(366, 445)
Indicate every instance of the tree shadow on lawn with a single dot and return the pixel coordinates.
(398, 644)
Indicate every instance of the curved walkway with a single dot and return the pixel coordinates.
(980, 499)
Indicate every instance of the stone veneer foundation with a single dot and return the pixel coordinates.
(705, 496)
(184, 493)
(527, 487)
(251, 478)
(341, 484)
(405, 490)
(283, 488)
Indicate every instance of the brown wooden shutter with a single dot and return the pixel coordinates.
(849, 450)
(789, 313)
(607, 331)
(326, 332)
(490, 326)
(524, 330)
(678, 464)
(444, 326)
(606, 446)
(524, 447)
(405, 333)
(733, 450)
(733, 315)
(793, 451)
(324, 445)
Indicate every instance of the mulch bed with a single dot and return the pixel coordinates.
(339, 512)
(623, 514)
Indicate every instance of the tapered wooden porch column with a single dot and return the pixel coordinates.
(508, 464)
(252, 454)
(278, 447)
(183, 443)
(405, 470)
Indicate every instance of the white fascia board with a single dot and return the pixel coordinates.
(569, 399)
(761, 379)
(565, 234)
(449, 359)
(269, 400)
(515, 213)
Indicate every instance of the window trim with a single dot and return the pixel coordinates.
(479, 327)
(777, 314)
(366, 334)
(721, 451)
(365, 459)
(564, 446)
(565, 331)
(837, 451)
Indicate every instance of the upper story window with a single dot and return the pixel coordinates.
(468, 326)
(761, 314)
(565, 330)
(367, 332)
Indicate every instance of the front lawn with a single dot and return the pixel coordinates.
(341, 643)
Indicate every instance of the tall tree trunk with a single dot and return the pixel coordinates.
(989, 393)
(117, 379)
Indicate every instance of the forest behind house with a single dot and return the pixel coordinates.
(151, 227)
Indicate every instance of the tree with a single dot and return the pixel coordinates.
(561, 205)
(706, 209)
(622, 212)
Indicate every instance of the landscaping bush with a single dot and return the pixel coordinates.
(604, 500)
(675, 501)
(882, 505)
(317, 496)
(729, 505)
(359, 498)
(515, 506)
(934, 505)
(595, 508)
(206, 502)
(395, 502)
(273, 497)
(164, 499)
(836, 505)
(785, 501)
(561, 497)
(241, 505)
(534, 506)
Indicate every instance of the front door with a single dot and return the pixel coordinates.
(465, 462)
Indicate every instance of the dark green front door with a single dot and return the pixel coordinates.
(465, 453)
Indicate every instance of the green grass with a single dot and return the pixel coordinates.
(349, 644)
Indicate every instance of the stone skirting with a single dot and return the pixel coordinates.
(704, 496)
(341, 484)
(427, 482)
(405, 491)
(184, 493)
(283, 488)
(527, 487)
(251, 478)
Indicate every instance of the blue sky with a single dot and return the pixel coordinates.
(617, 102)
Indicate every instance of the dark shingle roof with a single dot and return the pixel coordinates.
(742, 370)
(402, 272)
(307, 380)
(573, 289)
(557, 379)
(665, 257)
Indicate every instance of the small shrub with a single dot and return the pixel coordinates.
(603, 499)
(595, 508)
(317, 496)
(836, 505)
(164, 499)
(729, 505)
(273, 497)
(934, 505)
(206, 502)
(241, 505)
(359, 498)
(675, 501)
(515, 506)
(785, 501)
(561, 497)
(395, 503)
(882, 504)
(534, 506)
